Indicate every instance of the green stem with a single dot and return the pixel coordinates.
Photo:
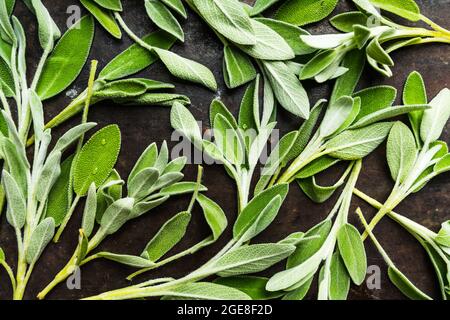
(10, 273)
(374, 240)
(66, 219)
(307, 156)
(131, 34)
(434, 25)
(197, 187)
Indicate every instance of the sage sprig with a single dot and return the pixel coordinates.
(152, 181)
(415, 159)
(338, 245)
(369, 31)
(264, 42)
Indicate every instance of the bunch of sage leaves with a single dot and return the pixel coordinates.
(113, 82)
(108, 14)
(152, 181)
(337, 244)
(369, 31)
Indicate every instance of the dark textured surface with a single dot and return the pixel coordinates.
(142, 125)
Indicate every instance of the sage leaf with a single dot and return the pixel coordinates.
(269, 44)
(442, 165)
(405, 286)
(132, 261)
(247, 114)
(228, 141)
(163, 18)
(358, 143)
(301, 12)
(72, 135)
(339, 279)
(177, 6)
(307, 249)
(336, 115)
(238, 69)
(6, 27)
(96, 159)
(229, 18)
(318, 64)
(375, 51)
(167, 237)
(251, 259)
(59, 197)
(116, 215)
(120, 89)
(218, 107)
(299, 293)
(288, 90)
(407, 9)
(16, 211)
(40, 238)
(260, 211)
(48, 30)
(443, 236)
(90, 210)
(180, 188)
(368, 7)
(6, 79)
(140, 185)
(66, 61)
(415, 93)
(374, 99)
(135, 58)
(143, 207)
(187, 69)
(316, 193)
(114, 5)
(316, 166)
(49, 174)
(352, 251)
(146, 160)
(401, 151)
(205, 291)
(262, 5)
(434, 119)
(214, 215)
(253, 286)
(290, 33)
(387, 113)
(183, 121)
(345, 21)
(104, 17)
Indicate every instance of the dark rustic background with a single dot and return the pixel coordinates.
(142, 125)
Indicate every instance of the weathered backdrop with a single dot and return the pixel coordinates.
(142, 125)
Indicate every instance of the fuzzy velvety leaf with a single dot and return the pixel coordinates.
(287, 88)
(96, 159)
(435, 119)
(229, 18)
(40, 238)
(401, 151)
(358, 143)
(254, 286)
(238, 68)
(352, 252)
(415, 93)
(301, 12)
(163, 18)
(66, 61)
(104, 17)
(167, 237)
(135, 58)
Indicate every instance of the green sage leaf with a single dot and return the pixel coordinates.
(229, 18)
(435, 119)
(40, 238)
(238, 69)
(66, 61)
(253, 286)
(352, 251)
(96, 159)
(401, 151)
(301, 12)
(163, 18)
(104, 17)
(167, 237)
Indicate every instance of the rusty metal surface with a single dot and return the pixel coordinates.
(142, 125)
